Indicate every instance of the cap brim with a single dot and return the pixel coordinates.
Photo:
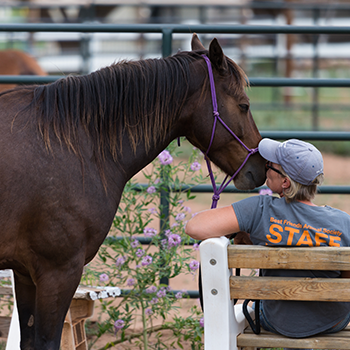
(268, 148)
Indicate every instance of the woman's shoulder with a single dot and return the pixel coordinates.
(260, 201)
(336, 211)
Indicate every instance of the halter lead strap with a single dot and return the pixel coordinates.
(217, 191)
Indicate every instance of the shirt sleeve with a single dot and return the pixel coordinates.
(248, 212)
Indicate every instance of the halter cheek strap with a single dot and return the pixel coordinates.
(227, 180)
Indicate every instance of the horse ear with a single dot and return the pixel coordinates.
(196, 43)
(217, 57)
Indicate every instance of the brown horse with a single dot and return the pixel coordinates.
(15, 62)
(68, 148)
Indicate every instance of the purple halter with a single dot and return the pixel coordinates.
(217, 191)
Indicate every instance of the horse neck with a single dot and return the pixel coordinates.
(133, 162)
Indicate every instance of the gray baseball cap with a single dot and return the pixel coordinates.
(300, 160)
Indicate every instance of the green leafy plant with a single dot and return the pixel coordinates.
(147, 247)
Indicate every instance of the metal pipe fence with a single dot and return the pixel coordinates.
(254, 82)
(167, 31)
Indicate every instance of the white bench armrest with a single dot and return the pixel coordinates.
(222, 321)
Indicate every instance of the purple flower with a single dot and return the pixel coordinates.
(161, 293)
(196, 246)
(151, 289)
(135, 243)
(265, 191)
(194, 265)
(167, 233)
(146, 260)
(180, 216)
(120, 261)
(151, 190)
(152, 210)
(165, 158)
(148, 312)
(201, 322)
(118, 324)
(174, 240)
(104, 277)
(188, 209)
(130, 282)
(139, 253)
(178, 295)
(149, 232)
(154, 301)
(195, 166)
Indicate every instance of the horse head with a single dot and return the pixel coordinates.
(222, 148)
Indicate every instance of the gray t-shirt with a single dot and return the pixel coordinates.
(271, 221)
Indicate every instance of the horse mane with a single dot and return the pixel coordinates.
(140, 99)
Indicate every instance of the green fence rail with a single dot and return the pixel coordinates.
(275, 82)
(168, 30)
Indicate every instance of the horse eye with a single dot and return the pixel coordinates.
(244, 107)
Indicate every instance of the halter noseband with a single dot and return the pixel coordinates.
(217, 191)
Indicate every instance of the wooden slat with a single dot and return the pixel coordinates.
(4, 326)
(344, 333)
(317, 258)
(6, 290)
(270, 340)
(290, 288)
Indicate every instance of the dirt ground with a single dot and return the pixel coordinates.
(337, 172)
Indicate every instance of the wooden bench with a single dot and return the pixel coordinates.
(225, 327)
(73, 333)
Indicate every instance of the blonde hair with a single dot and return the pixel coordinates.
(297, 191)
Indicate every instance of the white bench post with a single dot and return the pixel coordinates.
(14, 336)
(222, 320)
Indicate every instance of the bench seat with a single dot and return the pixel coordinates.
(340, 340)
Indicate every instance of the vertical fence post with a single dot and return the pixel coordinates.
(315, 69)
(167, 42)
(165, 211)
(164, 193)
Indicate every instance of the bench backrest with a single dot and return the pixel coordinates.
(289, 288)
(222, 321)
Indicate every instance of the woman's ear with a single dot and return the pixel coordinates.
(286, 183)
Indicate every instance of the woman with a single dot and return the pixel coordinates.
(294, 170)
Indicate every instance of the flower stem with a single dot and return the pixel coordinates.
(137, 335)
(144, 326)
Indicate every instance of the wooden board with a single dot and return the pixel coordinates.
(317, 258)
(4, 326)
(6, 290)
(290, 288)
(270, 340)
